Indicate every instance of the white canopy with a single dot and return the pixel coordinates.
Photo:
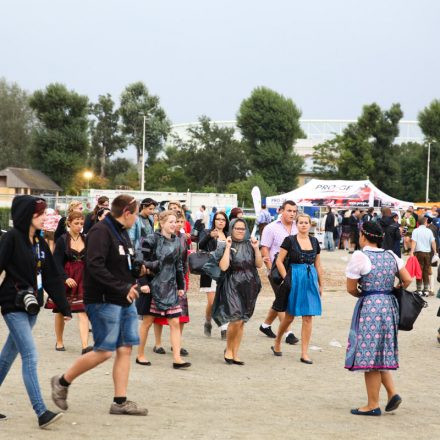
(343, 193)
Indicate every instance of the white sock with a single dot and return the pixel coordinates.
(224, 327)
(288, 333)
(264, 325)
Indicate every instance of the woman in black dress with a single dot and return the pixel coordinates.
(209, 238)
(239, 286)
(69, 256)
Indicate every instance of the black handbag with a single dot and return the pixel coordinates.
(196, 261)
(274, 274)
(410, 305)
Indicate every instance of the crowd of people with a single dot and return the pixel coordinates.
(123, 268)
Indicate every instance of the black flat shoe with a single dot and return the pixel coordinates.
(276, 353)
(374, 412)
(306, 361)
(237, 362)
(159, 350)
(2, 417)
(229, 361)
(183, 352)
(147, 363)
(394, 403)
(60, 348)
(86, 350)
(177, 366)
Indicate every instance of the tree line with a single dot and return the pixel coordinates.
(367, 150)
(62, 132)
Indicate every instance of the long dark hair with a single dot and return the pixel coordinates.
(226, 228)
(98, 206)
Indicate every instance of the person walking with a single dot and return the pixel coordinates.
(422, 244)
(273, 236)
(303, 281)
(330, 223)
(109, 293)
(238, 289)
(30, 270)
(69, 257)
(373, 342)
(209, 240)
(167, 285)
(183, 299)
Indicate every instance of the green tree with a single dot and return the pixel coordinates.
(61, 140)
(136, 101)
(243, 189)
(364, 150)
(105, 132)
(16, 123)
(211, 157)
(122, 173)
(412, 156)
(269, 123)
(429, 121)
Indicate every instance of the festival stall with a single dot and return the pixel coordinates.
(339, 194)
(314, 197)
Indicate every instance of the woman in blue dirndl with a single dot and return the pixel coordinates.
(372, 344)
(302, 285)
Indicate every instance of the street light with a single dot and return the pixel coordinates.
(143, 158)
(88, 175)
(427, 172)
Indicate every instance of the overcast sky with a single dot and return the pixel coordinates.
(205, 56)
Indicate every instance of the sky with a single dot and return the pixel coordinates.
(204, 56)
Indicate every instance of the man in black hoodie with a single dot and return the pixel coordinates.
(29, 265)
(109, 293)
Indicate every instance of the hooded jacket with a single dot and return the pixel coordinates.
(18, 259)
(392, 236)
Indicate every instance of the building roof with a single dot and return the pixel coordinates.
(28, 178)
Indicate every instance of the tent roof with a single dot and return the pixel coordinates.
(338, 193)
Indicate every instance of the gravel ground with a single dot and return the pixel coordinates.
(267, 398)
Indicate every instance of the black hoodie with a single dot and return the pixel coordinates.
(392, 236)
(18, 260)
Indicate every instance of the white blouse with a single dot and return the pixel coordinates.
(360, 264)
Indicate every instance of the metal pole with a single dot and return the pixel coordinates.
(143, 159)
(427, 173)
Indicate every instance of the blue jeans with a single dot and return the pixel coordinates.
(20, 341)
(329, 242)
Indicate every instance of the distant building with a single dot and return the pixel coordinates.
(15, 181)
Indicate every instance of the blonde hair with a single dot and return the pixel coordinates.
(72, 205)
(73, 216)
(164, 215)
(174, 202)
(301, 214)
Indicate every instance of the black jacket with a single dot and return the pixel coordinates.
(18, 259)
(89, 221)
(107, 275)
(392, 236)
(208, 244)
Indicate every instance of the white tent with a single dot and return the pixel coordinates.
(338, 193)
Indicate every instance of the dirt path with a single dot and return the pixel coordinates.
(268, 398)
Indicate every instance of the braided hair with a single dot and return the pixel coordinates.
(373, 232)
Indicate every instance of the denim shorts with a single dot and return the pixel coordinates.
(113, 326)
